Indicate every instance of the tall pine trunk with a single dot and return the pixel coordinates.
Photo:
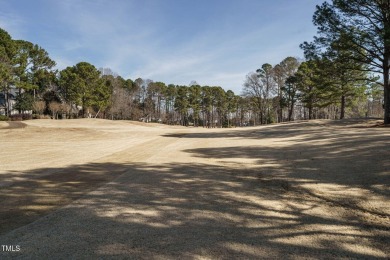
(342, 109)
(387, 104)
(280, 110)
(310, 108)
(386, 93)
(386, 59)
(6, 100)
(386, 88)
(290, 112)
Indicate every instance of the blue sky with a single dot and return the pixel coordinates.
(215, 42)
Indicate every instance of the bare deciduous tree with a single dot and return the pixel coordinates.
(39, 107)
(54, 107)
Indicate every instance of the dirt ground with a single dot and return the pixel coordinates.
(116, 189)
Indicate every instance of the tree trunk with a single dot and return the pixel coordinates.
(6, 100)
(261, 117)
(20, 93)
(310, 112)
(385, 65)
(290, 112)
(342, 108)
(386, 93)
(280, 110)
(97, 113)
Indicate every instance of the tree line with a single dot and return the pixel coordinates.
(83, 90)
(344, 74)
(312, 89)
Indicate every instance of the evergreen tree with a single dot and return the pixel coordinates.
(83, 86)
(364, 27)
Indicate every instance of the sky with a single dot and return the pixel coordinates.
(212, 42)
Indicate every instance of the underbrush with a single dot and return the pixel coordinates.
(4, 118)
(20, 117)
(36, 116)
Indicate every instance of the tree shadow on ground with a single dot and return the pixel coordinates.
(353, 163)
(39, 192)
(185, 211)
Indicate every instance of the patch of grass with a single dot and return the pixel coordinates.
(4, 118)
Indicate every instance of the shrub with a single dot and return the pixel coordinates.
(20, 117)
(4, 118)
(16, 117)
(36, 116)
(26, 116)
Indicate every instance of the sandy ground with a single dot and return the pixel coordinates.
(104, 189)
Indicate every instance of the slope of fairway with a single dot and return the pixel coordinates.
(53, 144)
(95, 188)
